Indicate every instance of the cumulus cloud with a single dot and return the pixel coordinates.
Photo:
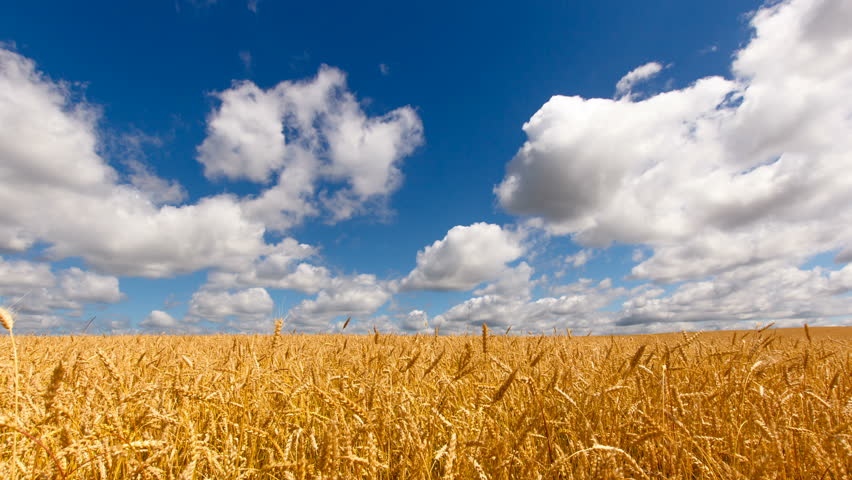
(512, 283)
(44, 299)
(21, 275)
(89, 287)
(415, 321)
(116, 227)
(639, 74)
(356, 296)
(281, 268)
(130, 228)
(359, 295)
(578, 308)
(245, 137)
(159, 319)
(250, 305)
(766, 292)
(304, 132)
(466, 257)
(721, 174)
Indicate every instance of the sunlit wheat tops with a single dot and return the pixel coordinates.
(758, 404)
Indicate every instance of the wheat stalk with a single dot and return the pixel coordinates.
(8, 322)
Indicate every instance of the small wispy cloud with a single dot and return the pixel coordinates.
(636, 76)
(383, 67)
(709, 49)
(245, 57)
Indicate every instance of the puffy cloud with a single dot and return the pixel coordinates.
(356, 296)
(512, 283)
(635, 76)
(578, 308)
(21, 275)
(715, 176)
(304, 277)
(245, 137)
(118, 228)
(415, 321)
(305, 132)
(159, 319)
(44, 299)
(250, 304)
(770, 291)
(129, 228)
(281, 268)
(464, 258)
(90, 287)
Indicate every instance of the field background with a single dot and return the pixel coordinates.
(721, 405)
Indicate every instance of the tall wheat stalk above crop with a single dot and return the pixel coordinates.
(8, 322)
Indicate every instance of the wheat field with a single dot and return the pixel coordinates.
(724, 405)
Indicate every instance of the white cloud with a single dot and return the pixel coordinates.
(464, 258)
(129, 228)
(158, 190)
(304, 277)
(305, 132)
(716, 176)
(415, 321)
(512, 283)
(384, 69)
(578, 308)
(282, 268)
(44, 299)
(117, 228)
(21, 275)
(580, 258)
(89, 287)
(245, 137)
(159, 319)
(639, 74)
(250, 305)
(770, 291)
(356, 296)
(130, 150)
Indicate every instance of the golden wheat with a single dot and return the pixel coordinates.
(759, 404)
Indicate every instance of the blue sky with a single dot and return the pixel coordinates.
(204, 166)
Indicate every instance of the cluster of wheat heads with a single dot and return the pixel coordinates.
(756, 404)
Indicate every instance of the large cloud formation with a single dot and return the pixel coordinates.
(43, 298)
(303, 132)
(720, 174)
(129, 227)
(49, 151)
(734, 183)
(326, 154)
